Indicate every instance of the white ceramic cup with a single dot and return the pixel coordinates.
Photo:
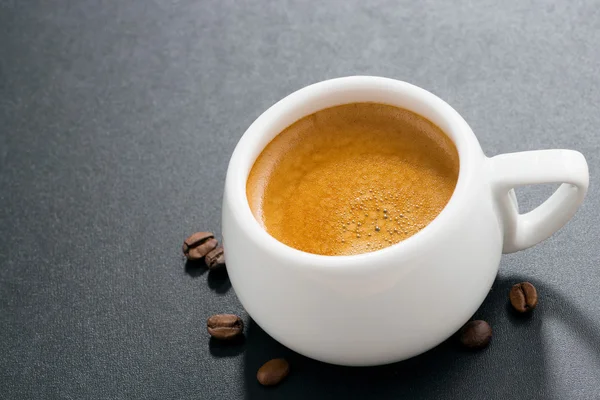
(394, 303)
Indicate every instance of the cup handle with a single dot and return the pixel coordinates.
(534, 167)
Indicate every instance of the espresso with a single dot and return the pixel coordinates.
(352, 179)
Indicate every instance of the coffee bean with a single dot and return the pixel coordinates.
(523, 297)
(273, 372)
(215, 259)
(476, 334)
(198, 245)
(225, 326)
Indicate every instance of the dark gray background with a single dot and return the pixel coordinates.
(117, 119)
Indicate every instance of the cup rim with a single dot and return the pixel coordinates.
(249, 147)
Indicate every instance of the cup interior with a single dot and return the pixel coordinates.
(341, 91)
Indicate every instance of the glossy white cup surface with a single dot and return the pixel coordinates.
(391, 304)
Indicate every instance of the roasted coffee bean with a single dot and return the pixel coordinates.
(273, 372)
(215, 259)
(225, 326)
(523, 297)
(198, 245)
(476, 334)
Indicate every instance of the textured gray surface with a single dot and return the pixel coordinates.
(117, 120)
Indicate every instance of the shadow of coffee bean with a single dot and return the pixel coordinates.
(195, 269)
(218, 280)
(227, 348)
